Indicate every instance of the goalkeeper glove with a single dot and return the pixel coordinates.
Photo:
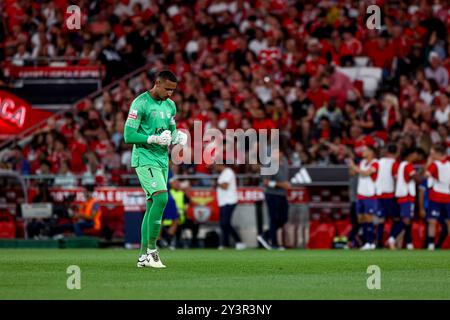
(163, 140)
(181, 138)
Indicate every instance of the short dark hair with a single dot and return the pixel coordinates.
(167, 75)
(391, 148)
(373, 149)
(439, 148)
(421, 153)
(408, 151)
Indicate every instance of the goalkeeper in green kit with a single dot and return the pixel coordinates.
(151, 128)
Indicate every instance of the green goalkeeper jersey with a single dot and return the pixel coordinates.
(149, 117)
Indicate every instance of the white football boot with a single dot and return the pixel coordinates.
(143, 261)
(366, 246)
(153, 259)
(431, 246)
(410, 246)
(391, 243)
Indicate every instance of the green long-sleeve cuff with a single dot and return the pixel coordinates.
(131, 135)
(173, 130)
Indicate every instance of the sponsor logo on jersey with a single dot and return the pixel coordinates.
(132, 114)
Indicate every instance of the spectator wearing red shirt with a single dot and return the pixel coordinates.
(235, 121)
(380, 52)
(15, 14)
(291, 55)
(340, 86)
(280, 115)
(331, 48)
(58, 154)
(324, 132)
(100, 144)
(78, 148)
(401, 45)
(316, 94)
(268, 57)
(232, 43)
(261, 121)
(179, 65)
(359, 141)
(350, 48)
(139, 14)
(69, 127)
(313, 64)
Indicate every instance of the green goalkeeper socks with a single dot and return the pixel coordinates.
(155, 217)
(145, 230)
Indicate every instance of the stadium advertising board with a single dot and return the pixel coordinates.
(203, 201)
(55, 85)
(71, 72)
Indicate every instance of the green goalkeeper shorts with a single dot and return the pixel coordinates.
(152, 179)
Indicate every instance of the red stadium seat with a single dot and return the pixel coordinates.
(446, 244)
(321, 235)
(418, 232)
(113, 218)
(343, 227)
(7, 230)
(20, 228)
(7, 226)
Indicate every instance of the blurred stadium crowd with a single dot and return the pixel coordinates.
(241, 64)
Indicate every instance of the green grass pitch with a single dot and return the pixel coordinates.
(228, 274)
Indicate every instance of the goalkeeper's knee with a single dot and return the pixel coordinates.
(160, 199)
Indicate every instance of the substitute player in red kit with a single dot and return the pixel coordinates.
(405, 192)
(385, 187)
(366, 203)
(438, 174)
